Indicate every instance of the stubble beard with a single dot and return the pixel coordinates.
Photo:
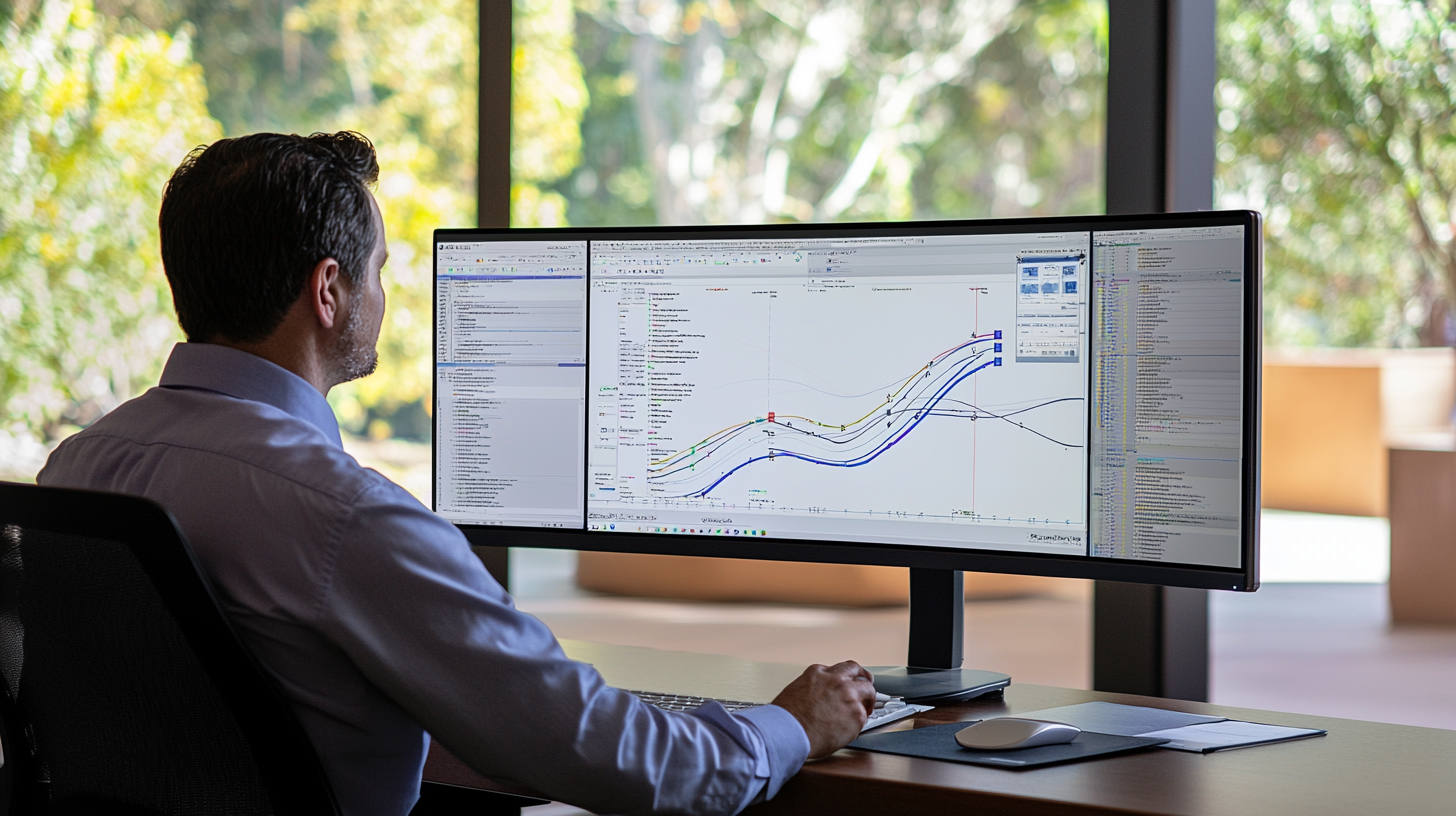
(355, 356)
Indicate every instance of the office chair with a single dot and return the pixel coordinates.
(126, 690)
(132, 691)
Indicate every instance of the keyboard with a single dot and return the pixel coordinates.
(886, 712)
(686, 702)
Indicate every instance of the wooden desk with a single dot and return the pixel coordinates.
(1360, 768)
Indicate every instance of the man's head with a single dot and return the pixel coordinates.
(248, 224)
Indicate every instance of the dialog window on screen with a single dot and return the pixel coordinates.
(916, 390)
(510, 380)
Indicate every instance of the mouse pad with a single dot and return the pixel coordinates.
(938, 742)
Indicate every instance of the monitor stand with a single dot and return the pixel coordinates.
(934, 675)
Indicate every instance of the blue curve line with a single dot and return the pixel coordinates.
(714, 445)
(863, 460)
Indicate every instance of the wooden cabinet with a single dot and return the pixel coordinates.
(1423, 534)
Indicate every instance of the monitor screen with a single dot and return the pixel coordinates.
(1052, 392)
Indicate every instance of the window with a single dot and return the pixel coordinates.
(625, 111)
(746, 112)
(99, 103)
(1335, 121)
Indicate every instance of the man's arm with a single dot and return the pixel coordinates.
(417, 613)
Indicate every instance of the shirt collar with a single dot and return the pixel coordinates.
(247, 376)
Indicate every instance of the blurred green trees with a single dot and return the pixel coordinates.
(741, 112)
(1336, 121)
(93, 118)
(98, 105)
(547, 103)
(623, 112)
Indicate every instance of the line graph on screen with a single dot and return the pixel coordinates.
(927, 394)
(904, 400)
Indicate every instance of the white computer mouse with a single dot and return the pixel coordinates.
(1011, 733)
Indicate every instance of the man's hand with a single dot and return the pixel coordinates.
(831, 702)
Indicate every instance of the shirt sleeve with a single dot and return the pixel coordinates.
(419, 616)
(769, 733)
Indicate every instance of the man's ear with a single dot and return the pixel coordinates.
(325, 292)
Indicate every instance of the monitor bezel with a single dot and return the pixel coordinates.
(1245, 579)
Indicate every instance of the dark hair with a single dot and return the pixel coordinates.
(244, 221)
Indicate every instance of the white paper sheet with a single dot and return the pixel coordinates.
(1227, 734)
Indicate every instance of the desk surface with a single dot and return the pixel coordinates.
(1361, 767)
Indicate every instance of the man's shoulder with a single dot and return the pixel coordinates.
(215, 436)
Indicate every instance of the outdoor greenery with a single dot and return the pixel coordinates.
(93, 118)
(99, 104)
(810, 110)
(547, 103)
(1336, 121)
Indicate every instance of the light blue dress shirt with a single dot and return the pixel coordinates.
(380, 624)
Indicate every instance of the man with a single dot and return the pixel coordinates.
(370, 611)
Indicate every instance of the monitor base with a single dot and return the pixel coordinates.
(937, 686)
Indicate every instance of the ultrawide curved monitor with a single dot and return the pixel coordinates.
(1056, 396)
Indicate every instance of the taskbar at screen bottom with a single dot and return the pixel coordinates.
(511, 517)
(1055, 539)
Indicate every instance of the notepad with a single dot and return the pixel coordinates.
(1219, 736)
(1198, 733)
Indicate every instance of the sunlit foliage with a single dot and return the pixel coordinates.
(746, 111)
(547, 103)
(1335, 119)
(92, 122)
(98, 106)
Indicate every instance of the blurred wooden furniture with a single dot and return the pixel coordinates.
(740, 579)
(1361, 767)
(1329, 413)
(1423, 531)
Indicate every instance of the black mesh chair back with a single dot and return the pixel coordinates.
(130, 689)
